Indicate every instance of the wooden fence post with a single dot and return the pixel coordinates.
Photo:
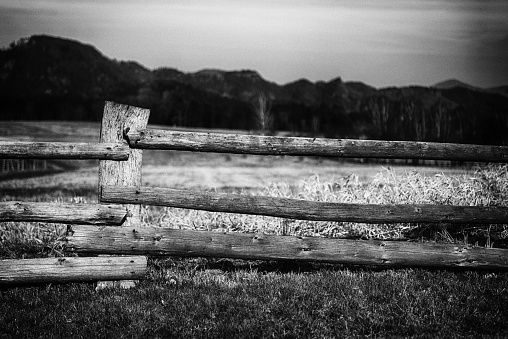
(117, 120)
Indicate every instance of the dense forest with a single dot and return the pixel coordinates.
(49, 78)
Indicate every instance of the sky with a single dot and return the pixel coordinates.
(379, 42)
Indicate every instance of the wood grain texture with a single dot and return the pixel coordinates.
(116, 121)
(164, 241)
(301, 209)
(63, 150)
(69, 269)
(87, 214)
(344, 148)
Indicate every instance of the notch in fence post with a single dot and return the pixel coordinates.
(116, 121)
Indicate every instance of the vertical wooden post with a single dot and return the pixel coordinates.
(116, 121)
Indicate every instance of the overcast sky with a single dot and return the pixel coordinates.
(382, 43)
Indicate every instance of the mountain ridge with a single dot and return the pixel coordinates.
(44, 77)
(452, 83)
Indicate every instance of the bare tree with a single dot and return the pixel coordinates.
(263, 114)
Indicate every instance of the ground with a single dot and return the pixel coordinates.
(199, 297)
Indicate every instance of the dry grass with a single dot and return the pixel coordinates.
(215, 297)
(487, 186)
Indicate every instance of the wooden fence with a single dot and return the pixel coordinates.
(113, 225)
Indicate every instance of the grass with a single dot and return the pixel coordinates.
(198, 297)
(485, 187)
(208, 298)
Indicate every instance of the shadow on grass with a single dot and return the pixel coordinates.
(228, 266)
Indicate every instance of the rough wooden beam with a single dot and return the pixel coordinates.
(348, 148)
(301, 209)
(63, 150)
(163, 241)
(69, 269)
(87, 214)
(117, 120)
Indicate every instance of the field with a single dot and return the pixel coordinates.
(200, 297)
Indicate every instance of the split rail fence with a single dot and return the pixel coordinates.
(113, 227)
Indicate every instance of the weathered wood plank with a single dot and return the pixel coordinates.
(116, 121)
(68, 269)
(347, 148)
(301, 209)
(67, 213)
(164, 241)
(63, 150)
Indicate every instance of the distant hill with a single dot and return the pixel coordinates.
(452, 83)
(500, 89)
(48, 78)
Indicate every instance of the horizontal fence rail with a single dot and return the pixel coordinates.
(164, 241)
(68, 269)
(87, 214)
(346, 148)
(64, 150)
(120, 180)
(301, 209)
